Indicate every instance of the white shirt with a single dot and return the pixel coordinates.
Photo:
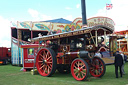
(98, 55)
(123, 57)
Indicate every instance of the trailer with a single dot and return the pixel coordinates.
(5, 55)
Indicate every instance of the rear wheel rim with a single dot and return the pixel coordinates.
(79, 69)
(97, 68)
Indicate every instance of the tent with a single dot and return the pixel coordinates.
(60, 20)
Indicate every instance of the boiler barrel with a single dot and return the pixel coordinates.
(81, 54)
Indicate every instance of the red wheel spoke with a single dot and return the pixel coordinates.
(78, 75)
(78, 64)
(42, 56)
(49, 58)
(84, 69)
(46, 69)
(98, 71)
(49, 67)
(42, 66)
(75, 66)
(93, 70)
(75, 72)
(82, 66)
(46, 55)
(49, 62)
(98, 67)
(40, 61)
(83, 73)
(101, 68)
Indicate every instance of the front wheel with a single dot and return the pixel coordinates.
(98, 67)
(79, 69)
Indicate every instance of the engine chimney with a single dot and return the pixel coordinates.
(83, 6)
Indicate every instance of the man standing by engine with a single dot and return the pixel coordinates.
(118, 63)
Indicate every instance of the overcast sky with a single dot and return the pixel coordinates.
(41, 10)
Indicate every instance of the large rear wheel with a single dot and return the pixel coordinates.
(46, 62)
(79, 69)
(98, 67)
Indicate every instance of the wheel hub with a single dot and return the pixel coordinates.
(79, 69)
(97, 67)
(44, 61)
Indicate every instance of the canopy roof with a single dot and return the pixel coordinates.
(60, 20)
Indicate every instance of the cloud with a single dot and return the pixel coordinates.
(33, 13)
(45, 17)
(37, 16)
(69, 17)
(68, 8)
(5, 33)
(78, 6)
(118, 13)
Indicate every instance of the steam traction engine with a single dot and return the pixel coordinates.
(72, 52)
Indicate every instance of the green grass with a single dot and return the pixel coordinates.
(11, 75)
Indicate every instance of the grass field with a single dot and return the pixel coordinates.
(11, 75)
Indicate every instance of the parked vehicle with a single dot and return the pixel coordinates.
(72, 51)
(5, 55)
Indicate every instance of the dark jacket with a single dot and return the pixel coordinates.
(125, 58)
(118, 60)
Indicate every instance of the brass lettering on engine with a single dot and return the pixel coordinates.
(57, 36)
(76, 33)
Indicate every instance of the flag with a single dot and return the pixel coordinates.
(109, 6)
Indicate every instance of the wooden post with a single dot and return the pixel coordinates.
(96, 37)
(105, 37)
(119, 44)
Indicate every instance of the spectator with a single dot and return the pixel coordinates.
(118, 63)
(123, 62)
(39, 35)
(125, 58)
(98, 54)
